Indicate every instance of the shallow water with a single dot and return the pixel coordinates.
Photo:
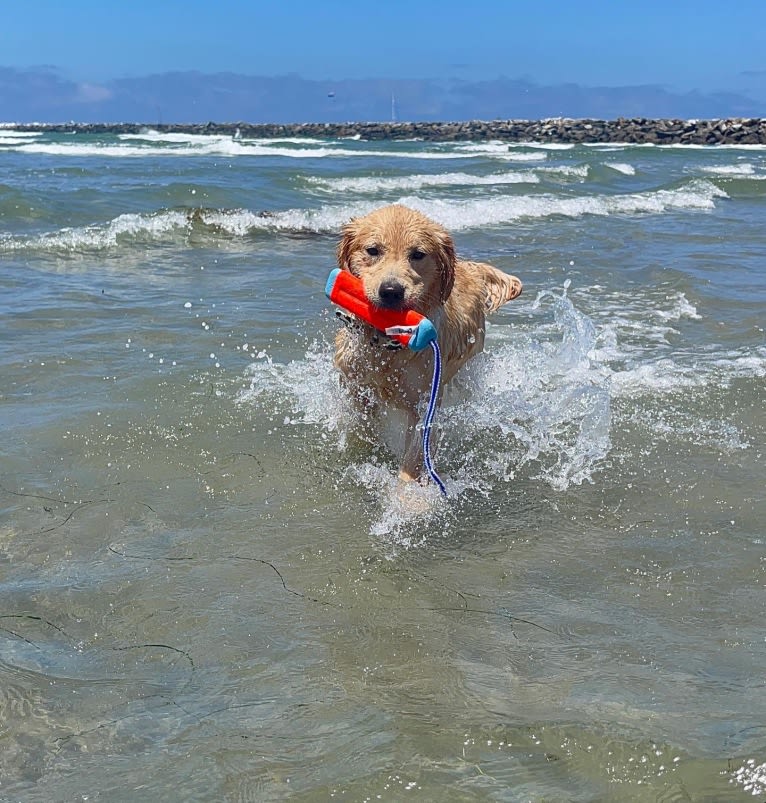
(211, 590)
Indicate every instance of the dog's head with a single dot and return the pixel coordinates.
(404, 260)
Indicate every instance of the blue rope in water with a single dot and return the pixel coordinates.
(429, 417)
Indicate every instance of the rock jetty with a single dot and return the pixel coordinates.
(733, 131)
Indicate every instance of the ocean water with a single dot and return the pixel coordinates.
(211, 590)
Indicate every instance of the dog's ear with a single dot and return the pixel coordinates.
(445, 258)
(346, 245)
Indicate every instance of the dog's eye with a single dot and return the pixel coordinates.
(417, 255)
(372, 251)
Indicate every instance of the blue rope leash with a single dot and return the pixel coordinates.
(429, 417)
(422, 334)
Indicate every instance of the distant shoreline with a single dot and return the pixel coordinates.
(730, 131)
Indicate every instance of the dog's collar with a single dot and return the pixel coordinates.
(353, 323)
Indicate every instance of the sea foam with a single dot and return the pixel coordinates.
(128, 229)
(462, 214)
(455, 214)
(204, 145)
(376, 184)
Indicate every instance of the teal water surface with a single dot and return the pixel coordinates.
(210, 590)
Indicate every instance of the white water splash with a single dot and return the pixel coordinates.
(542, 399)
(621, 167)
(743, 170)
(535, 408)
(539, 407)
(751, 777)
(682, 308)
(580, 171)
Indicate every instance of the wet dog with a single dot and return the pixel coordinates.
(408, 262)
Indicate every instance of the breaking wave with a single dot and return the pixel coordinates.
(457, 215)
(191, 145)
(376, 184)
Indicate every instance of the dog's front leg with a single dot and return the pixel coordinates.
(412, 461)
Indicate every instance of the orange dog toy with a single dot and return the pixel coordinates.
(410, 328)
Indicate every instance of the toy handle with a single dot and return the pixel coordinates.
(408, 327)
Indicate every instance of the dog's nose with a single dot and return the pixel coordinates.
(391, 293)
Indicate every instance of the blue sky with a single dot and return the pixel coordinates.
(680, 44)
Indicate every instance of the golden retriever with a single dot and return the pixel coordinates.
(406, 261)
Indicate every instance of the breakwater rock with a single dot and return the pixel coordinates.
(732, 131)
